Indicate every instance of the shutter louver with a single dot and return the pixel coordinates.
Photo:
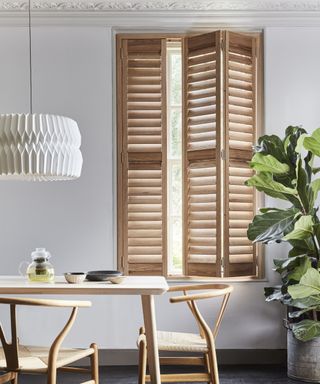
(143, 201)
(201, 146)
(240, 128)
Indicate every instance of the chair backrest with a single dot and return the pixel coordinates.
(11, 350)
(210, 291)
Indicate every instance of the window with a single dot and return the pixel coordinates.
(174, 158)
(188, 114)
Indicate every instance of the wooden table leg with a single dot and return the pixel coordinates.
(151, 335)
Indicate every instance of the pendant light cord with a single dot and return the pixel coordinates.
(30, 60)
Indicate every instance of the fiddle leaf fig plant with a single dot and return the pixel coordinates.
(284, 169)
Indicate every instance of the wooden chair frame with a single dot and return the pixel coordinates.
(209, 360)
(11, 350)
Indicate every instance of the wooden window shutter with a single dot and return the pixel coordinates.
(142, 155)
(202, 65)
(240, 120)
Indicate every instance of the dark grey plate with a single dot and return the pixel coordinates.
(102, 275)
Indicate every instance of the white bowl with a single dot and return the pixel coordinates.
(75, 277)
(117, 279)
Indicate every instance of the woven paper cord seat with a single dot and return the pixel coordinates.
(35, 359)
(183, 342)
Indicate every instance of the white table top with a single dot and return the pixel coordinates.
(132, 285)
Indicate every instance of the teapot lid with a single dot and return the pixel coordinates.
(40, 253)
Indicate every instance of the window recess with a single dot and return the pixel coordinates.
(189, 111)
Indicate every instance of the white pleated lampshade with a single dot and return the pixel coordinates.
(39, 147)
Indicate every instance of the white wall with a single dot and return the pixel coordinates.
(74, 220)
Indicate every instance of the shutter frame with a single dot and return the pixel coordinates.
(238, 72)
(206, 156)
(141, 77)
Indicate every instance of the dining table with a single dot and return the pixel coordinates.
(145, 286)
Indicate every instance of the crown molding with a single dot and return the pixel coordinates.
(163, 5)
(157, 14)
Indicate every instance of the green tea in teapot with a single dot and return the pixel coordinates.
(40, 270)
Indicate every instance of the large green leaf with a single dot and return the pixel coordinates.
(269, 227)
(294, 130)
(309, 158)
(268, 163)
(265, 183)
(312, 143)
(315, 186)
(316, 231)
(315, 170)
(300, 269)
(305, 193)
(309, 285)
(306, 302)
(316, 134)
(306, 330)
(282, 265)
(271, 145)
(300, 147)
(308, 164)
(296, 314)
(294, 201)
(274, 294)
(268, 209)
(303, 229)
(290, 142)
(301, 247)
(293, 268)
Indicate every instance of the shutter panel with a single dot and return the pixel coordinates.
(142, 188)
(240, 135)
(202, 154)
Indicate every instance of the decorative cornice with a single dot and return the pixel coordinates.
(153, 15)
(164, 5)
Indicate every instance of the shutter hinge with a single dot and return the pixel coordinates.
(222, 266)
(123, 158)
(223, 154)
(122, 262)
(121, 53)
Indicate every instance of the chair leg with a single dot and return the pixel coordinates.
(207, 364)
(95, 364)
(52, 375)
(15, 380)
(9, 377)
(142, 359)
(213, 365)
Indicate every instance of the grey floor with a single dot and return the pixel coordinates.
(266, 374)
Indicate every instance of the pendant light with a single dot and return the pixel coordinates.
(38, 147)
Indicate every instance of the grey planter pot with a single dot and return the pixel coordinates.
(303, 359)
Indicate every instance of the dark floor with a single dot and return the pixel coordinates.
(266, 374)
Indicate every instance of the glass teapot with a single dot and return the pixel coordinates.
(40, 270)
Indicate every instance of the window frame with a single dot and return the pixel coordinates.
(119, 134)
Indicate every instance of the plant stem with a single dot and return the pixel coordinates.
(302, 206)
(314, 314)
